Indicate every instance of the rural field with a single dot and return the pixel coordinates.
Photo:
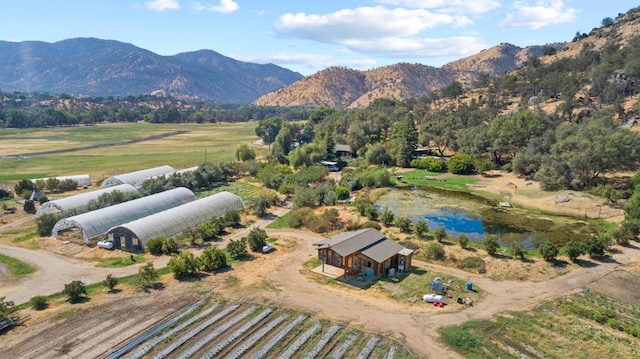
(190, 147)
(274, 302)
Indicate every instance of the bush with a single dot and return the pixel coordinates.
(237, 249)
(434, 251)
(260, 206)
(170, 246)
(473, 264)
(367, 209)
(29, 206)
(74, 290)
(386, 216)
(6, 308)
(154, 245)
(517, 251)
(461, 164)
(595, 246)
(39, 302)
(184, 265)
(440, 234)
(257, 239)
(110, 282)
(430, 164)
(490, 244)
(573, 250)
(463, 240)
(403, 223)
(212, 259)
(548, 251)
(231, 219)
(46, 222)
(420, 228)
(342, 193)
(147, 275)
(370, 224)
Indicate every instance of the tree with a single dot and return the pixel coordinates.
(517, 251)
(403, 223)
(404, 141)
(39, 302)
(453, 90)
(420, 228)
(46, 222)
(257, 239)
(548, 251)
(268, 129)
(29, 206)
(490, 243)
(434, 251)
(574, 250)
(245, 153)
(342, 193)
(23, 188)
(463, 240)
(110, 282)
(231, 218)
(184, 265)
(440, 234)
(212, 258)
(237, 249)
(260, 205)
(209, 230)
(147, 275)
(377, 155)
(595, 246)
(68, 185)
(170, 246)
(386, 216)
(75, 290)
(6, 307)
(607, 21)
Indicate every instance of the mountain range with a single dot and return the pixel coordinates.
(102, 68)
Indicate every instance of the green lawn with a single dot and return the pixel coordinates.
(16, 267)
(418, 178)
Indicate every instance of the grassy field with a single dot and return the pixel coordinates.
(418, 178)
(16, 267)
(216, 142)
(583, 325)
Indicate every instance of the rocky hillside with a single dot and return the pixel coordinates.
(342, 88)
(94, 67)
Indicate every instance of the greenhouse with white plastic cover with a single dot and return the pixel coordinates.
(79, 202)
(134, 235)
(97, 222)
(137, 177)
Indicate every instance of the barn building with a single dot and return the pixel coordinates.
(97, 222)
(134, 235)
(366, 251)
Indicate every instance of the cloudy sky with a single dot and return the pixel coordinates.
(310, 35)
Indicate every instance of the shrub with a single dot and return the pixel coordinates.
(548, 251)
(595, 246)
(212, 259)
(463, 240)
(460, 163)
(68, 185)
(386, 217)
(147, 275)
(420, 228)
(370, 224)
(517, 251)
(184, 265)
(490, 244)
(110, 282)
(473, 264)
(367, 209)
(573, 250)
(154, 245)
(434, 251)
(260, 205)
(29, 206)
(46, 222)
(237, 249)
(257, 239)
(440, 234)
(6, 307)
(430, 164)
(39, 302)
(342, 193)
(403, 223)
(231, 219)
(74, 290)
(300, 217)
(170, 246)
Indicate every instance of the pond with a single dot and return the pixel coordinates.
(476, 217)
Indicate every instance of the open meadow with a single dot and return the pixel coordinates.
(194, 144)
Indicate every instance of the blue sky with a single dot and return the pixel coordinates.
(308, 35)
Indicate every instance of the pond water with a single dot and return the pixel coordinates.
(476, 217)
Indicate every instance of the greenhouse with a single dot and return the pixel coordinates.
(166, 175)
(133, 178)
(97, 222)
(80, 180)
(78, 203)
(134, 235)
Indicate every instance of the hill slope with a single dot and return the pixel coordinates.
(94, 67)
(399, 81)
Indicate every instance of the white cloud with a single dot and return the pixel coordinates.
(543, 13)
(310, 62)
(363, 23)
(448, 6)
(419, 48)
(162, 5)
(225, 7)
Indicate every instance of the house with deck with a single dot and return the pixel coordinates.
(366, 251)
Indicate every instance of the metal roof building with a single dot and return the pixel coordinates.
(97, 222)
(133, 178)
(79, 202)
(134, 235)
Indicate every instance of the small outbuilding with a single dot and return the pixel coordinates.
(365, 251)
